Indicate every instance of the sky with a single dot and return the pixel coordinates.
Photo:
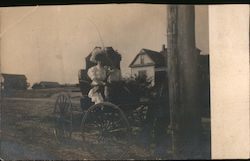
(51, 42)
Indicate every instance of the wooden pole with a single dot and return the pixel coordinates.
(173, 77)
(1, 83)
(190, 119)
(185, 117)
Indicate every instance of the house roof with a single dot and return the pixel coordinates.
(157, 57)
(19, 76)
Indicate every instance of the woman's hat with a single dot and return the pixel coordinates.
(96, 55)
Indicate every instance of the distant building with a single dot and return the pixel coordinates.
(14, 82)
(46, 84)
(149, 63)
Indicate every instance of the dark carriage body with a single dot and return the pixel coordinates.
(120, 116)
(124, 91)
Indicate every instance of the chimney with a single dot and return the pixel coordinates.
(163, 50)
(163, 47)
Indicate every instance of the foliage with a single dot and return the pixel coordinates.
(138, 86)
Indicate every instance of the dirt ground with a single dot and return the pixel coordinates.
(27, 131)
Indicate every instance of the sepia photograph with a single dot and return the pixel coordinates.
(105, 82)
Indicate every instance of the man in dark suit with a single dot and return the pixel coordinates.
(158, 118)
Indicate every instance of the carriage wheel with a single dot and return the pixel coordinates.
(106, 131)
(63, 117)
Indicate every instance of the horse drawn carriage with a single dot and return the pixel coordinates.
(109, 128)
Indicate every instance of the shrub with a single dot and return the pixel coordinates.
(138, 86)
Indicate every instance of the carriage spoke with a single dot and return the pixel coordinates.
(116, 130)
(64, 103)
(63, 117)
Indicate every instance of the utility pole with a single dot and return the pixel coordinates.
(173, 77)
(190, 118)
(183, 82)
(1, 86)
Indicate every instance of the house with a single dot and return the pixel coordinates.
(14, 82)
(150, 63)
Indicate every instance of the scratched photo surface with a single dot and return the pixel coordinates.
(110, 81)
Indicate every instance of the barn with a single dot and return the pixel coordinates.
(14, 81)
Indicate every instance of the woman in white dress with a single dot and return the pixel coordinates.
(98, 75)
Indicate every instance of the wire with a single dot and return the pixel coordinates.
(98, 31)
(18, 21)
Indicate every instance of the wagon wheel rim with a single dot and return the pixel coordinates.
(106, 131)
(63, 117)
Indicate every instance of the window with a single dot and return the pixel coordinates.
(142, 59)
(142, 73)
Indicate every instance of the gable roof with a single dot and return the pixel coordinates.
(157, 57)
(19, 76)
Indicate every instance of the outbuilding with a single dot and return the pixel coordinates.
(14, 82)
